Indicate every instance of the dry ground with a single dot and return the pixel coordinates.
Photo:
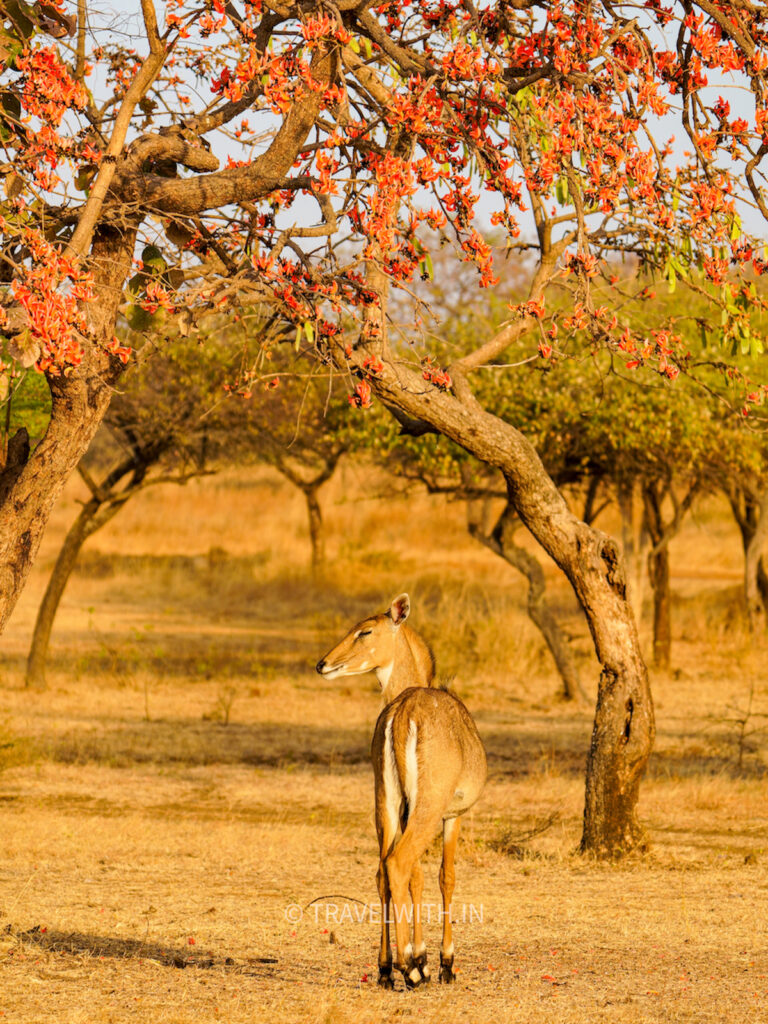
(150, 851)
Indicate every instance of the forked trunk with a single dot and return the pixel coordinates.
(623, 731)
(94, 514)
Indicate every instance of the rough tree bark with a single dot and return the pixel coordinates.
(624, 729)
(501, 541)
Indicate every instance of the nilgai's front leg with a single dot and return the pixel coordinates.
(447, 882)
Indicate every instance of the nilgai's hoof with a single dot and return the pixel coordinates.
(446, 976)
(413, 976)
(423, 968)
(385, 978)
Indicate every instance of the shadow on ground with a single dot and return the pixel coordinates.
(79, 943)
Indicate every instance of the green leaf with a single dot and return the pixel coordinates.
(152, 257)
(18, 13)
(136, 286)
(523, 98)
(140, 320)
(10, 48)
(11, 104)
(297, 341)
(309, 330)
(84, 178)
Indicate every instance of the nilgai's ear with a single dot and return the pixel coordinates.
(400, 609)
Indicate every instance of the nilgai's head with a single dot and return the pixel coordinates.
(369, 645)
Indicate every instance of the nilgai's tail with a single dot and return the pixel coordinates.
(401, 769)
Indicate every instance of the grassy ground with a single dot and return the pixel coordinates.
(186, 786)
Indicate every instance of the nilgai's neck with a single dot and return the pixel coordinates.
(412, 665)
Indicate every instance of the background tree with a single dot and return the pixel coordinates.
(300, 425)
(170, 421)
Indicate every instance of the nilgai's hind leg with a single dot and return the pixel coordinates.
(400, 865)
(386, 839)
(385, 953)
(447, 882)
(419, 946)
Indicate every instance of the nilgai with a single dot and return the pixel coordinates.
(429, 767)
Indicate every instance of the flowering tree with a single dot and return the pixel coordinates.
(346, 129)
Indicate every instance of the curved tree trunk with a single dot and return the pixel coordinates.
(501, 542)
(624, 729)
(79, 402)
(46, 613)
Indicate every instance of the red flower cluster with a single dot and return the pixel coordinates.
(435, 375)
(50, 290)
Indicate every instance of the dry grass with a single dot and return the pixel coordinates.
(150, 850)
